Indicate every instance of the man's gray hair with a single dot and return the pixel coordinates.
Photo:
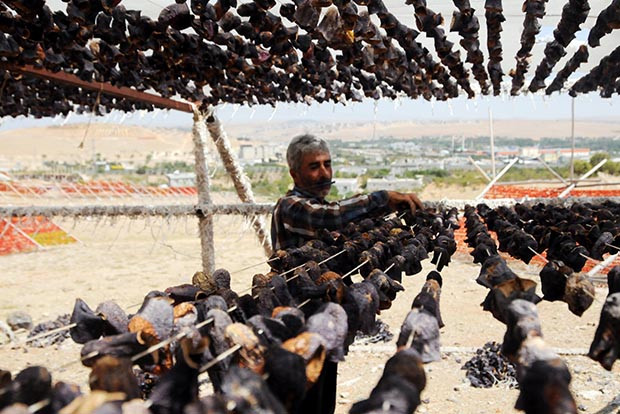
(303, 144)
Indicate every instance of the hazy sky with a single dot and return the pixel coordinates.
(590, 106)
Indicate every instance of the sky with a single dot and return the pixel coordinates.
(533, 107)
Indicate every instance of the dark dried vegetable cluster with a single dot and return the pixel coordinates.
(222, 52)
(534, 10)
(606, 76)
(605, 347)
(466, 24)
(542, 376)
(574, 13)
(544, 379)
(503, 284)
(254, 53)
(595, 228)
(398, 389)
(420, 329)
(567, 247)
(430, 22)
(52, 339)
(489, 368)
(284, 330)
(580, 56)
(494, 18)
(568, 234)
(607, 20)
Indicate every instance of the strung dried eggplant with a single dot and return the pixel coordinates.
(466, 24)
(604, 74)
(534, 10)
(580, 56)
(574, 13)
(494, 18)
(607, 20)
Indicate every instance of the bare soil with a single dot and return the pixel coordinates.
(125, 259)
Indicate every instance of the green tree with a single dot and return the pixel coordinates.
(582, 167)
(598, 157)
(379, 173)
(610, 167)
(333, 193)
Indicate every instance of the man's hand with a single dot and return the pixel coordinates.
(398, 200)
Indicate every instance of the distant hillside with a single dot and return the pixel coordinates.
(411, 130)
(79, 142)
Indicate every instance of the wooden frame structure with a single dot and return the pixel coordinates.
(204, 209)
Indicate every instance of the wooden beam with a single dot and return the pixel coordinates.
(583, 177)
(480, 170)
(497, 177)
(551, 170)
(598, 184)
(104, 87)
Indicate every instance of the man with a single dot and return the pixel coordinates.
(304, 210)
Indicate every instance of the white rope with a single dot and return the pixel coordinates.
(244, 209)
(240, 180)
(205, 221)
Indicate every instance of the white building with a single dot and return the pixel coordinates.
(181, 179)
(394, 184)
(260, 153)
(554, 155)
(346, 185)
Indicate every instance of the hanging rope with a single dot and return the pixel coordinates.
(240, 180)
(205, 221)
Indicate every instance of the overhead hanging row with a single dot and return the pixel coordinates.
(251, 53)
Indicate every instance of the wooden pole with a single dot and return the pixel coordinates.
(602, 265)
(240, 180)
(108, 89)
(572, 138)
(493, 172)
(583, 177)
(496, 178)
(205, 221)
(551, 170)
(597, 184)
(480, 170)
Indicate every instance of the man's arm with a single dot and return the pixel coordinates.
(299, 218)
(398, 201)
(334, 215)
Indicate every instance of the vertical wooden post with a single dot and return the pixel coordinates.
(205, 222)
(493, 171)
(240, 180)
(572, 139)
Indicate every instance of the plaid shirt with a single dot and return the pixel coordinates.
(299, 214)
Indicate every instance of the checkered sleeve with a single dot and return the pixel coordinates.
(297, 218)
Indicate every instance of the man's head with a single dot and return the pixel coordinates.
(310, 164)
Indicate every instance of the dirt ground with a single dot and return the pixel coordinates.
(125, 259)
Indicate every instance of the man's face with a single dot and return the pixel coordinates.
(315, 174)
